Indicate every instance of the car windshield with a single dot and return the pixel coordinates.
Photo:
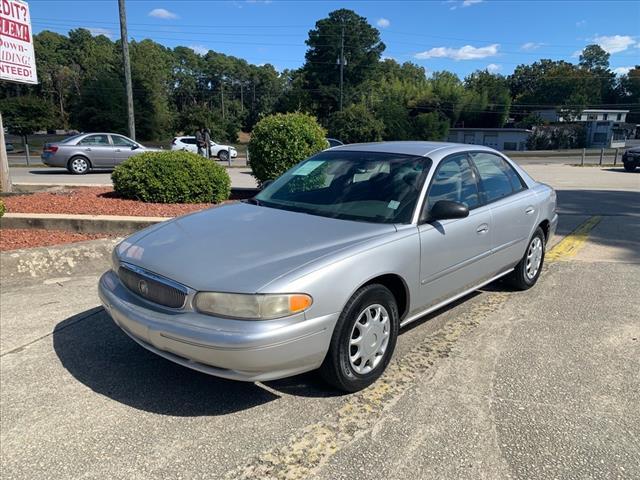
(363, 186)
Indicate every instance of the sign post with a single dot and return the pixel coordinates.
(17, 62)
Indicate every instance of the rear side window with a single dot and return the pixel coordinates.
(498, 178)
(101, 140)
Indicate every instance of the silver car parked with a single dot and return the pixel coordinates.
(325, 265)
(81, 153)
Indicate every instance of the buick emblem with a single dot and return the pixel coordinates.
(143, 287)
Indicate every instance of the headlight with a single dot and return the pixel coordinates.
(257, 307)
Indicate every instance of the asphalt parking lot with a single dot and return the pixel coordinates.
(543, 384)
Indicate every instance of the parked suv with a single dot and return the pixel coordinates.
(189, 144)
(631, 159)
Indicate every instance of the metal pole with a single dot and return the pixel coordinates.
(584, 152)
(615, 159)
(127, 69)
(341, 62)
(601, 155)
(5, 176)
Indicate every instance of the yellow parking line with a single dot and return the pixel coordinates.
(570, 245)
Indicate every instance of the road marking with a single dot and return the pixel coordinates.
(312, 447)
(570, 245)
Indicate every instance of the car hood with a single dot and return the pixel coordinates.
(241, 247)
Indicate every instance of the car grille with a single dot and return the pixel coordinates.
(152, 289)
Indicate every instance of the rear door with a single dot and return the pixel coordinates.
(512, 207)
(98, 149)
(454, 254)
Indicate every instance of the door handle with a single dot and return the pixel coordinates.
(529, 210)
(118, 150)
(484, 228)
(87, 149)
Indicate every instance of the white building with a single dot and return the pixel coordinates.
(498, 138)
(552, 115)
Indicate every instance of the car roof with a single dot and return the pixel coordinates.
(434, 150)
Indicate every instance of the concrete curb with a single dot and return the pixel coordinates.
(82, 258)
(79, 223)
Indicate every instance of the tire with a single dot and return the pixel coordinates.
(373, 305)
(527, 272)
(630, 166)
(79, 165)
(223, 155)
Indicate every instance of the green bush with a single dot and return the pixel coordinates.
(2, 208)
(278, 142)
(171, 177)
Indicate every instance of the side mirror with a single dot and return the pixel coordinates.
(135, 146)
(446, 209)
(265, 184)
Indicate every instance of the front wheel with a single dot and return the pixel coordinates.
(527, 272)
(630, 166)
(223, 155)
(363, 341)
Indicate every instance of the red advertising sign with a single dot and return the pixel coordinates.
(17, 59)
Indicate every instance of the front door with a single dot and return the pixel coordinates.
(123, 148)
(97, 149)
(455, 253)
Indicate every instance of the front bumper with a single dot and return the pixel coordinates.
(553, 226)
(235, 349)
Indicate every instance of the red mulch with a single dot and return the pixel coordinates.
(15, 238)
(94, 201)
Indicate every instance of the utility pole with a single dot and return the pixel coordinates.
(341, 62)
(5, 176)
(222, 98)
(127, 68)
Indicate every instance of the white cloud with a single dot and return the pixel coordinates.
(467, 52)
(581, 23)
(162, 13)
(199, 49)
(615, 43)
(531, 46)
(493, 68)
(622, 70)
(101, 31)
(462, 4)
(383, 22)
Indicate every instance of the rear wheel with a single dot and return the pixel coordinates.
(527, 272)
(363, 340)
(79, 165)
(223, 155)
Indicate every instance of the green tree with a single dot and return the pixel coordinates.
(26, 115)
(430, 126)
(362, 51)
(355, 124)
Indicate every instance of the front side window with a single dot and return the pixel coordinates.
(454, 181)
(121, 141)
(362, 186)
(98, 140)
(498, 178)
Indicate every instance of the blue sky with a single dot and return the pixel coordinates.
(455, 35)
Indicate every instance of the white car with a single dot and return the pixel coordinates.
(189, 144)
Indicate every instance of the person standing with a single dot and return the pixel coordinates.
(206, 134)
(200, 142)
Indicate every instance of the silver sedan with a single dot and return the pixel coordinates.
(325, 265)
(81, 153)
